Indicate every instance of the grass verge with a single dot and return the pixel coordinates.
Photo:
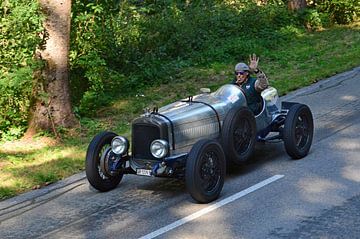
(308, 58)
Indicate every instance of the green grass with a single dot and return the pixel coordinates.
(25, 167)
(313, 57)
(308, 58)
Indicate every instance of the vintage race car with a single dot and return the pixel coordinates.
(196, 139)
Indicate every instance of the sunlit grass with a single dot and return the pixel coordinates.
(313, 57)
(23, 168)
(309, 58)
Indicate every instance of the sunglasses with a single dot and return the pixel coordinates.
(240, 72)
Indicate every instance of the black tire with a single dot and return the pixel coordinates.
(94, 174)
(298, 131)
(205, 171)
(238, 135)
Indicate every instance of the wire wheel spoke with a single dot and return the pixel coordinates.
(242, 137)
(301, 131)
(101, 152)
(209, 171)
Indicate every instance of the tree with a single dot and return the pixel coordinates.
(52, 104)
(296, 4)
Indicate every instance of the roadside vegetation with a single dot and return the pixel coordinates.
(141, 54)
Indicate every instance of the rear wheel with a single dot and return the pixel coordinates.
(238, 135)
(98, 148)
(205, 171)
(298, 131)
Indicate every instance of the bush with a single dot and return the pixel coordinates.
(94, 56)
(20, 27)
(311, 19)
(339, 11)
(150, 41)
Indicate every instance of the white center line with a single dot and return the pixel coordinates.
(211, 207)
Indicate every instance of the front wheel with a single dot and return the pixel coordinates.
(298, 131)
(98, 148)
(238, 135)
(205, 171)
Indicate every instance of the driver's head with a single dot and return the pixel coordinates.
(241, 72)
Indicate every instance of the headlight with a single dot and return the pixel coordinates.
(119, 145)
(159, 148)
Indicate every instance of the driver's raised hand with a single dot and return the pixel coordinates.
(253, 62)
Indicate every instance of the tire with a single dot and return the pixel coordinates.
(205, 171)
(238, 135)
(298, 131)
(98, 179)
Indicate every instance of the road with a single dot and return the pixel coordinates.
(316, 197)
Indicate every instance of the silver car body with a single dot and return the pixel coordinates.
(202, 116)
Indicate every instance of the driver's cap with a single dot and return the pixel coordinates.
(241, 67)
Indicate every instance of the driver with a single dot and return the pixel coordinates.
(252, 86)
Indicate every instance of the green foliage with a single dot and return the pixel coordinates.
(20, 26)
(339, 11)
(144, 43)
(120, 48)
(312, 19)
(93, 57)
(149, 42)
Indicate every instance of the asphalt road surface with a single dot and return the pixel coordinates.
(273, 197)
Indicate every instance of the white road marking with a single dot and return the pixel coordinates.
(211, 207)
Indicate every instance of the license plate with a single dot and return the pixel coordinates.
(143, 172)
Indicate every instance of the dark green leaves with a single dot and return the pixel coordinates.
(20, 35)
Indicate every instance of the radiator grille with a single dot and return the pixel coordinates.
(143, 135)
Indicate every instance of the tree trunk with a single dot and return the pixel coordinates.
(52, 107)
(296, 4)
